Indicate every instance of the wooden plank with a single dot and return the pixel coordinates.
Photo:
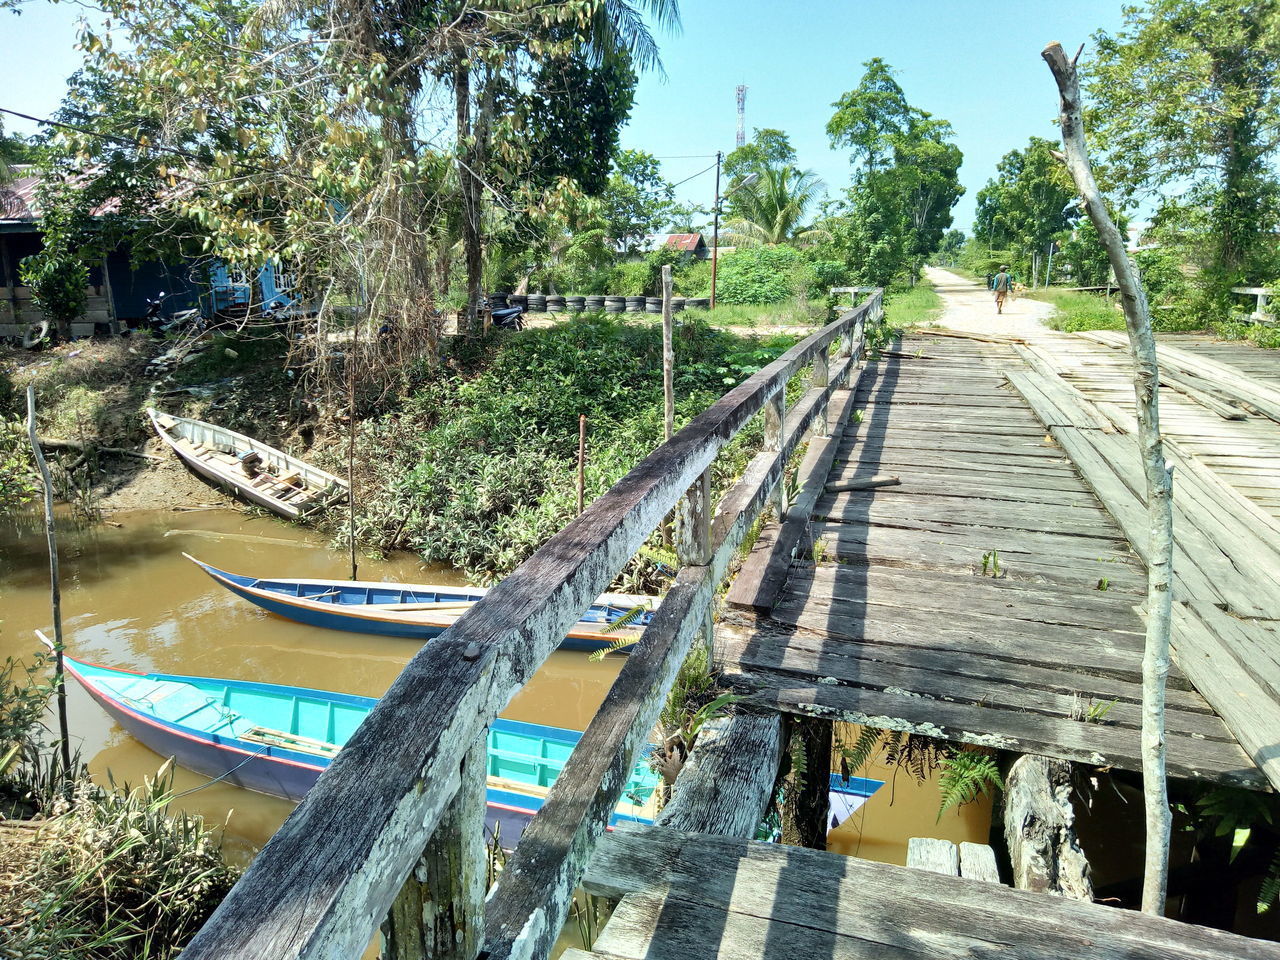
(728, 781)
(928, 674)
(764, 571)
(938, 856)
(722, 897)
(1090, 743)
(325, 879)
(978, 862)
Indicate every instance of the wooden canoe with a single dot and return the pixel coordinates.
(418, 611)
(279, 739)
(251, 470)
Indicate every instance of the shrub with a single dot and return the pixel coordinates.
(758, 275)
(630, 279)
(482, 470)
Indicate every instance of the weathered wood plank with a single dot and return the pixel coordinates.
(938, 856)
(728, 781)
(1089, 743)
(978, 862)
(726, 897)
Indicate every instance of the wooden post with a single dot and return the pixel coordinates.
(55, 588)
(1039, 828)
(439, 912)
(1159, 483)
(806, 803)
(582, 460)
(351, 447)
(693, 540)
(775, 413)
(820, 378)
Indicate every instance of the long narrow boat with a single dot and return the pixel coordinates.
(279, 739)
(420, 611)
(250, 469)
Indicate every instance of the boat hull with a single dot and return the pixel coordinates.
(289, 775)
(375, 618)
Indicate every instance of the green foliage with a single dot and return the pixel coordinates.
(772, 209)
(767, 148)
(631, 279)
(1163, 276)
(637, 200)
(481, 467)
(17, 480)
(1077, 311)
(1187, 101)
(905, 182)
(1025, 205)
(909, 307)
(966, 775)
(758, 275)
(59, 283)
(24, 697)
(115, 877)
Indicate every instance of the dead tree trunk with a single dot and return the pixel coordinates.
(1159, 483)
(1039, 828)
(469, 190)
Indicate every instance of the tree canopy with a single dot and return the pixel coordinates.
(1186, 101)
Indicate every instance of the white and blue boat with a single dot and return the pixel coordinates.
(417, 611)
(278, 739)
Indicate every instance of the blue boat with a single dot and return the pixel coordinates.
(278, 739)
(416, 611)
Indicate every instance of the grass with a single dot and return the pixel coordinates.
(912, 306)
(1260, 335)
(1077, 311)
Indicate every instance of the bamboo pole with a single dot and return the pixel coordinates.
(1159, 483)
(55, 589)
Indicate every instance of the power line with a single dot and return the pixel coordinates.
(698, 174)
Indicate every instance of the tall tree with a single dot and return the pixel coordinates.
(1187, 99)
(905, 180)
(768, 148)
(1029, 202)
(636, 199)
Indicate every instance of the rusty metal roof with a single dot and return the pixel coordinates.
(684, 241)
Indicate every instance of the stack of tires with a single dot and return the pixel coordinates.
(635, 304)
(615, 304)
(537, 303)
(594, 302)
(575, 304)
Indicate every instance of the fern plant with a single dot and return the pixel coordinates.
(966, 775)
(624, 621)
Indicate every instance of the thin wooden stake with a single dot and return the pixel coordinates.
(582, 460)
(1159, 484)
(55, 589)
(351, 448)
(668, 378)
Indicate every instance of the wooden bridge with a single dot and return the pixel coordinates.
(962, 559)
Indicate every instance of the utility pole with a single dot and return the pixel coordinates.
(715, 232)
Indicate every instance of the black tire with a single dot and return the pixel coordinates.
(35, 334)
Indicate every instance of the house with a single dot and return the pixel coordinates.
(119, 288)
(694, 244)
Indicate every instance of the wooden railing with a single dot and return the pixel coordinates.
(331, 874)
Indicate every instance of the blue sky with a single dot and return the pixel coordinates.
(976, 64)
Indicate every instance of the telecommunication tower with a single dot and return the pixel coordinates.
(742, 114)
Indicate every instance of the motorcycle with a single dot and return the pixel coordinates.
(155, 317)
(508, 318)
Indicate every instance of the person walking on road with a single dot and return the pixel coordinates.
(1002, 284)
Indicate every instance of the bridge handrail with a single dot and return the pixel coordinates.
(324, 882)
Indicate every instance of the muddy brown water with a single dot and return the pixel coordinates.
(130, 599)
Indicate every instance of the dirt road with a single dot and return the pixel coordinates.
(969, 307)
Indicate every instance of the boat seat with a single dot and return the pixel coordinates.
(291, 741)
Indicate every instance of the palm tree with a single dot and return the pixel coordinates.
(772, 210)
